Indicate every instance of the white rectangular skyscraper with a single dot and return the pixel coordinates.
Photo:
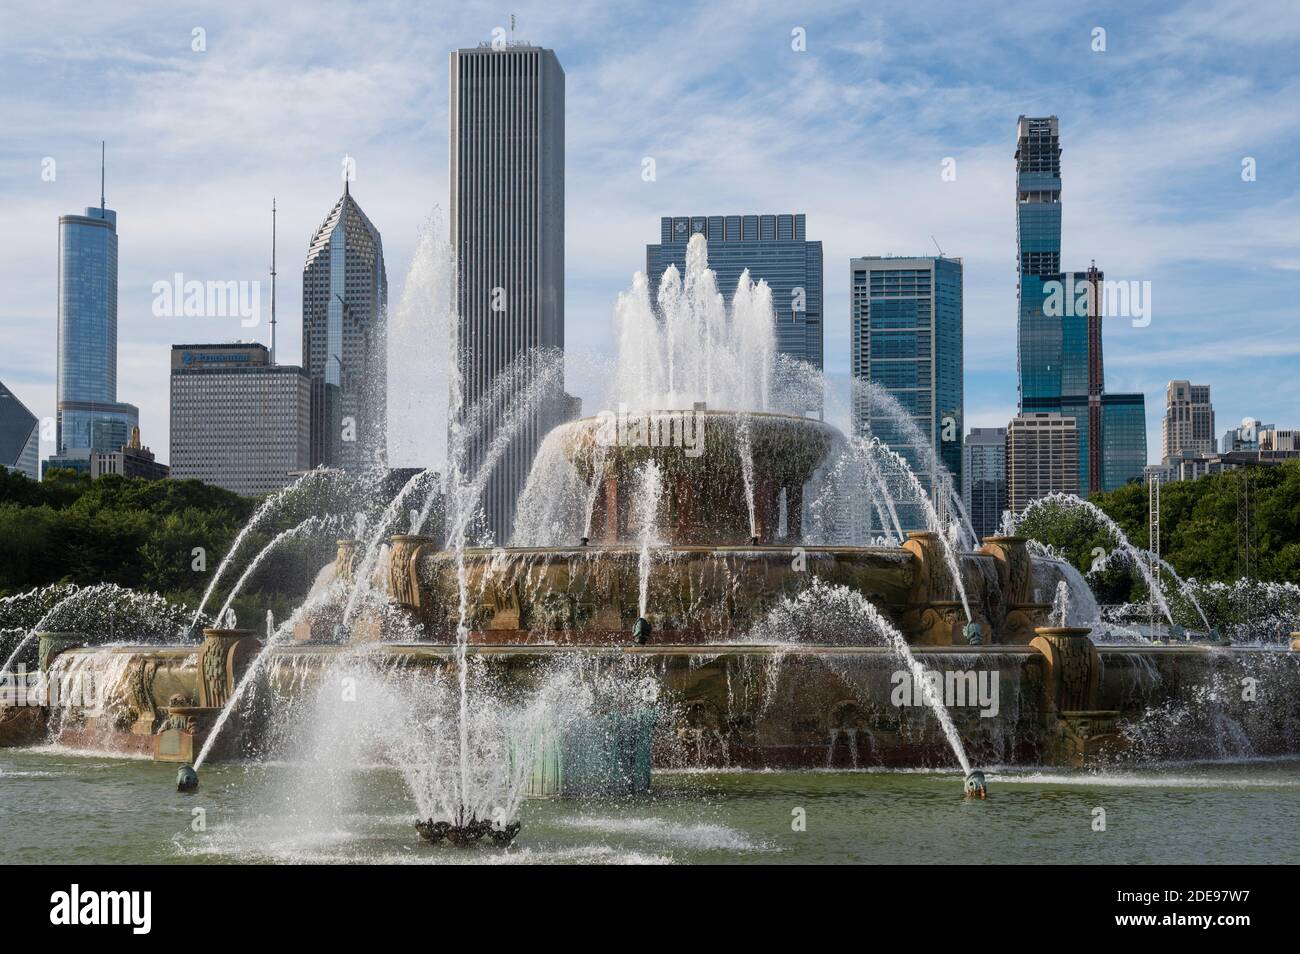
(1042, 457)
(507, 232)
(238, 421)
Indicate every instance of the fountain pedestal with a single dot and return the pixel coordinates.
(1072, 671)
(223, 657)
(183, 732)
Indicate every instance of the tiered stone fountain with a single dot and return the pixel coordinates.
(733, 691)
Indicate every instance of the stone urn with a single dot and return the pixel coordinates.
(1073, 667)
(222, 659)
(51, 644)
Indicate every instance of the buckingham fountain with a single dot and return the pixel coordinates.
(707, 575)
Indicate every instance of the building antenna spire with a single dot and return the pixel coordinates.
(102, 213)
(272, 279)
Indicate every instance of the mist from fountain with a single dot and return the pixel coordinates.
(600, 457)
(308, 527)
(936, 526)
(370, 554)
(1186, 590)
(1068, 502)
(828, 610)
(873, 401)
(649, 489)
(264, 511)
(77, 612)
(694, 349)
(746, 450)
(537, 376)
(319, 597)
(1061, 604)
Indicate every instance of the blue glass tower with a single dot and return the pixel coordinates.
(906, 337)
(1059, 324)
(1123, 439)
(89, 416)
(1041, 344)
(775, 249)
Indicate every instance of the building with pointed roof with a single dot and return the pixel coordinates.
(344, 306)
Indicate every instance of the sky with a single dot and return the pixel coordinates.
(855, 130)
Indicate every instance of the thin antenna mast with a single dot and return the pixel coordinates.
(272, 280)
(102, 213)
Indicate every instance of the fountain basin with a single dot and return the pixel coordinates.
(696, 594)
(788, 706)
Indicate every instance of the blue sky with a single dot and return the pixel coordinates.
(852, 131)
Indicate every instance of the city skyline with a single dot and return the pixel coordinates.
(1213, 231)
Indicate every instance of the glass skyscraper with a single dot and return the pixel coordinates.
(1123, 439)
(775, 249)
(1040, 339)
(344, 310)
(1059, 322)
(89, 416)
(19, 435)
(906, 337)
(984, 479)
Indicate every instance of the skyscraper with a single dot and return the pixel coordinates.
(1189, 420)
(344, 316)
(1042, 457)
(906, 337)
(237, 420)
(507, 232)
(1040, 339)
(775, 249)
(1059, 340)
(88, 414)
(1123, 439)
(19, 435)
(984, 478)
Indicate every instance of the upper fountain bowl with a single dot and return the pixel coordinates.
(711, 464)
